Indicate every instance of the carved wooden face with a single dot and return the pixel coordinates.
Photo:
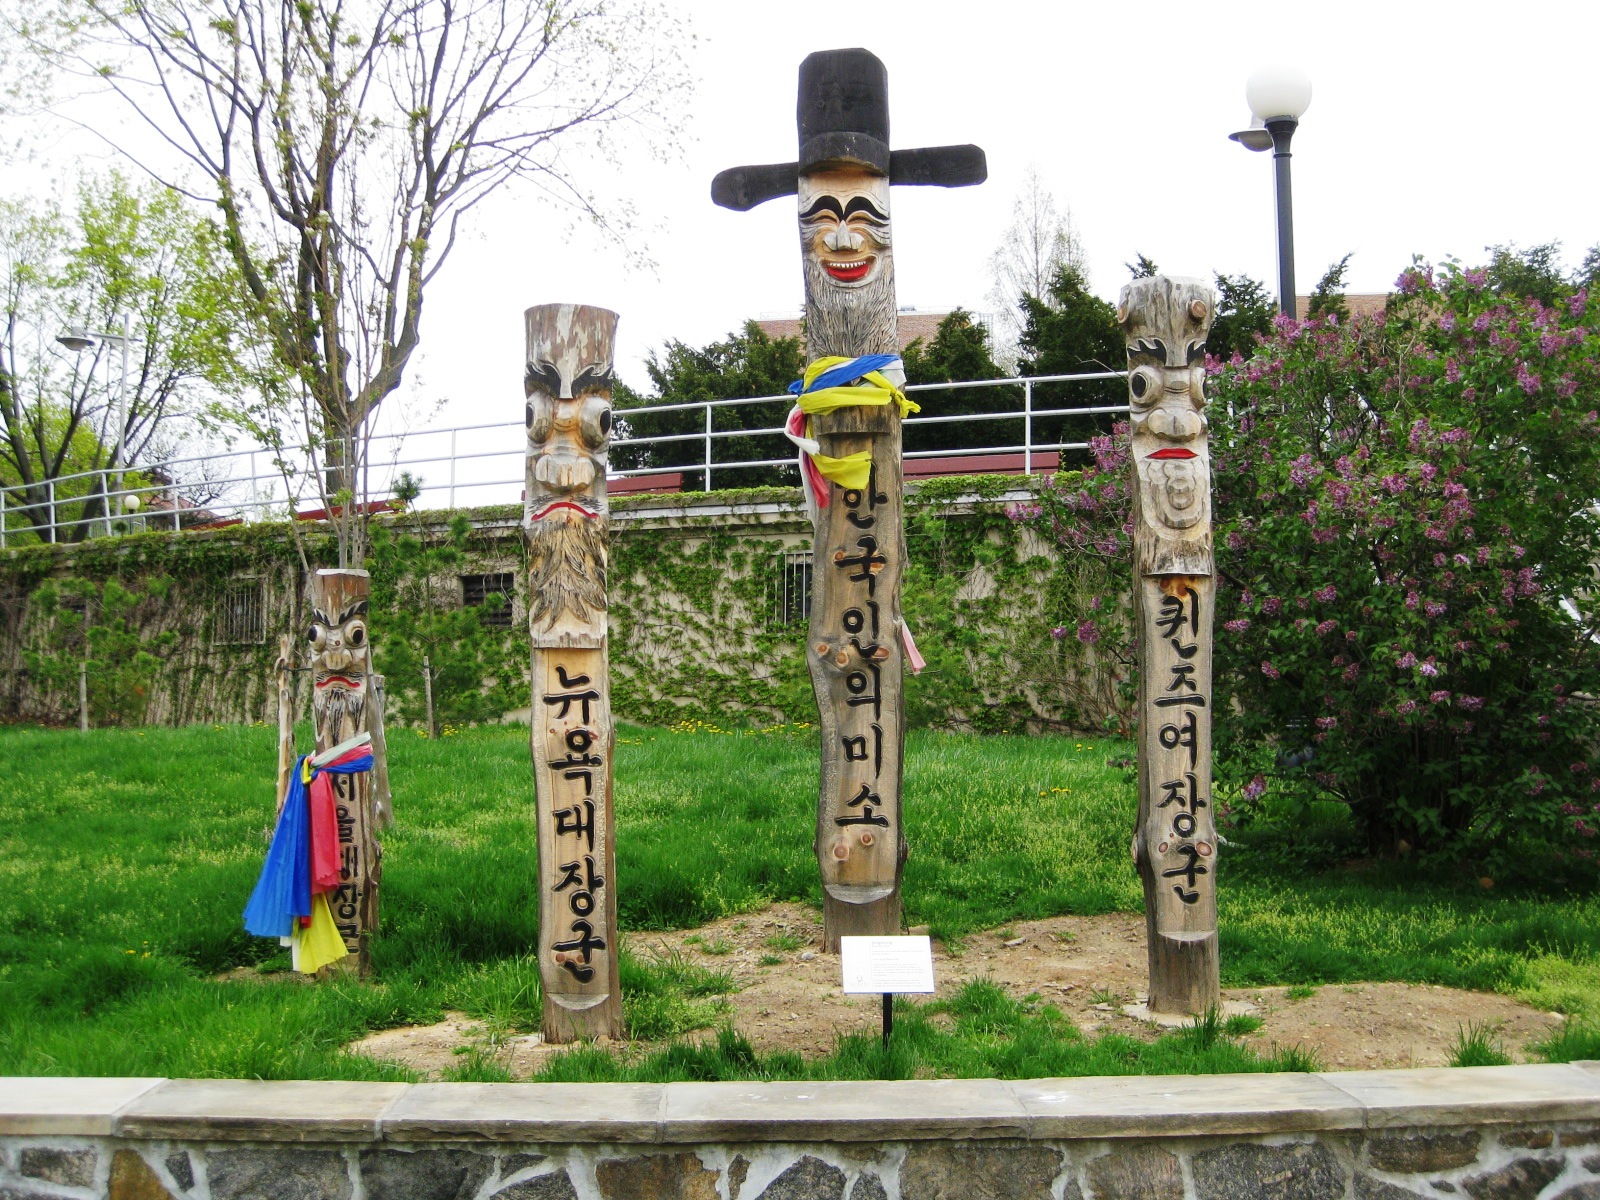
(340, 658)
(844, 227)
(568, 414)
(1166, 396)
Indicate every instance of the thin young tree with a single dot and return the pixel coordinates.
(343, 143)
(1040, 240)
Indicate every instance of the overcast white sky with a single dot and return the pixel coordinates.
(1435, 128)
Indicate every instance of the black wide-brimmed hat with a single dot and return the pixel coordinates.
(843, 117)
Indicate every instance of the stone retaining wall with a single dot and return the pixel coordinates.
(1484, 1133)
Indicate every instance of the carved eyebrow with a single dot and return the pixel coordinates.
(591, 378)
(1197, 351)
(862, 204)
(358, 609)
(821, 205)
(1152, 347)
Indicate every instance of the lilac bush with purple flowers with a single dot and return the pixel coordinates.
(1407, 537)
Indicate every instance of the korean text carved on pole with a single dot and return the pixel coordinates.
(1174, 845)
(341, 700)
(847, 423)
(568, 388)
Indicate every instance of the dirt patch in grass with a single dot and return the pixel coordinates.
(1091, 968)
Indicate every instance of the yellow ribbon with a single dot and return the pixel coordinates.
(875, 390)
(852, 471)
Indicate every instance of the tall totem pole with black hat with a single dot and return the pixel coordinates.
(847, 424)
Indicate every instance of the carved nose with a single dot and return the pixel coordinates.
(842, 237)
(1178, 424)
(564, 472)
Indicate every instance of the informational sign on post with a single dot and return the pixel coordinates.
(895, 965)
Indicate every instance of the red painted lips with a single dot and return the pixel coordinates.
(1173, 452)
(344, 680)
(550, 508)
(849, 272)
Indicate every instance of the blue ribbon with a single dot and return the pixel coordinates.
(283, 892)
(841, 375)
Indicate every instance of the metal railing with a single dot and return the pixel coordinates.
(481, 464)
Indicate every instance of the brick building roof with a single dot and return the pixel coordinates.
(913, 324)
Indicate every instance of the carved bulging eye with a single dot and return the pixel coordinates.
(595, 422)
(540, 413)
(1142, 381)
(356, 633)
(316, 635)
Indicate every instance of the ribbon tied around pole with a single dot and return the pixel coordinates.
(290, 900)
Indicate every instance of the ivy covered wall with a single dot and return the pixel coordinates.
(707, 616)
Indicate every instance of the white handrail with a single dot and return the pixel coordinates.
(248, 493)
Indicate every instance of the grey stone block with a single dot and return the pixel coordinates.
(1142, 1173)
(1137, 1106)
(1456, 1096)
(510, 1164)
(1580, 1137)
(1303, 1171)
(841, 1111)
(1528, 1139)
(1521, 1180)
(1368, 1188)
(11, 1193)
(679, 1176)
(808, 1179)
(738, 1170)
(429, 1174)
(868, 1187)
(271, 1110)
(1592, 1164)
(181, 1169)
(51, 1104)
(1412, 1153)
(251, 1173)
(1584, 1191)
(74, 1168)
(525, 1113)
(554, 1186)
(978, 1171)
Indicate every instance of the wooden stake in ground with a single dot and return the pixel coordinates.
(286, 754)
(1174, 843)
(842, 180)
(341, 664)
(568, 386)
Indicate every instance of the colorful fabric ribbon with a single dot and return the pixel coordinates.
(290, 900)
(833, 383)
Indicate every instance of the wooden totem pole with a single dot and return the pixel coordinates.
(1175, 841)
(568, 386)
(848, 425)
(341, 669)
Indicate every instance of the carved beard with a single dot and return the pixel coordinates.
(566, 571)
(335, 706)
(850, 321)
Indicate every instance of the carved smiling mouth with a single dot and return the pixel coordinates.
(1173, 452)
(848, 272)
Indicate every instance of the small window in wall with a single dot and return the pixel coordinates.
(242, 617)
(791, 591)
(491, 596)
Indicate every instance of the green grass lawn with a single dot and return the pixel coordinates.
(126, 857)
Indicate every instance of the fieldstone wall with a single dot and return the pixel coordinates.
(1490, 1133)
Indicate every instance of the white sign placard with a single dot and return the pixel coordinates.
(886, 964)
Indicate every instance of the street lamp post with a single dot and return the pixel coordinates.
(79, 339)
(1278, 97)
